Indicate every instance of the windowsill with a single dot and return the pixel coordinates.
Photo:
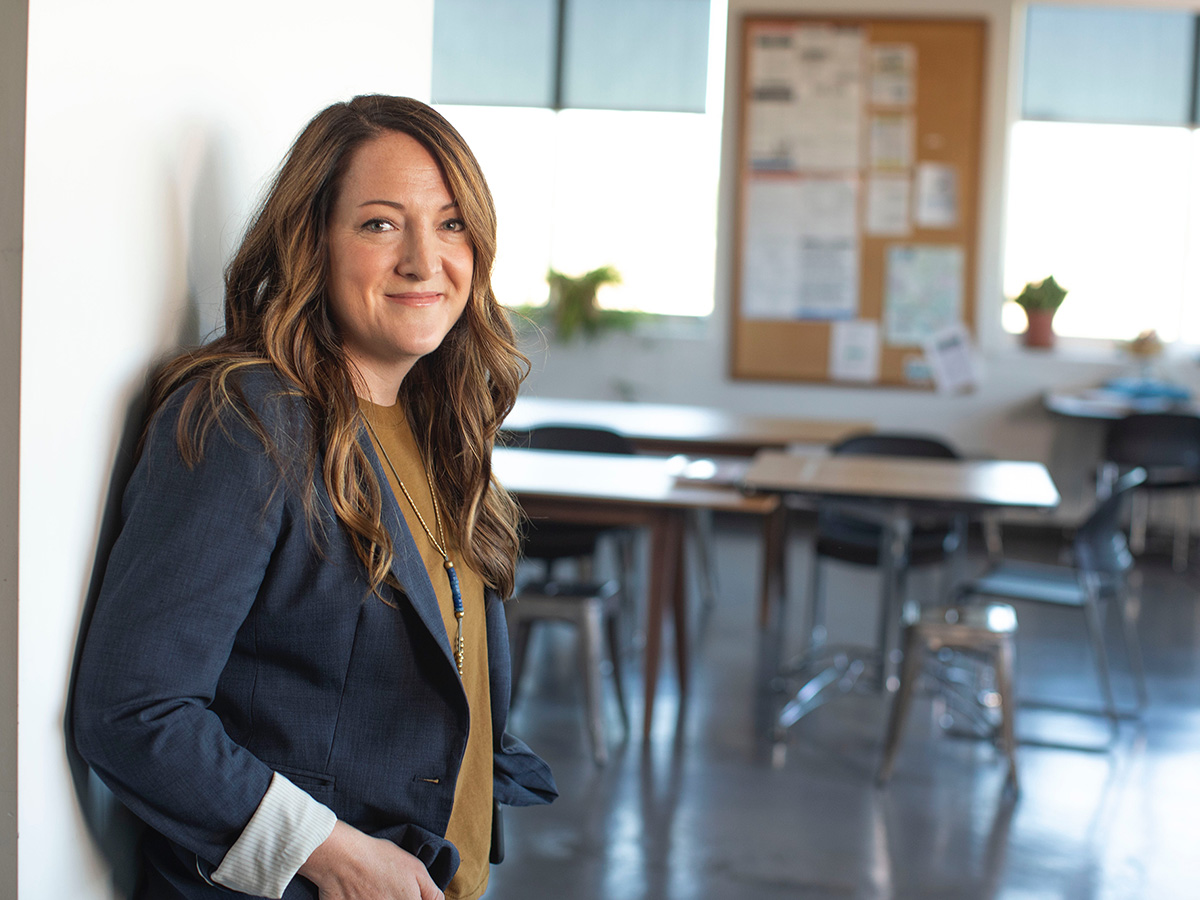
(1091, 351)
(652, 328)
(689, 328)
(1066, 349)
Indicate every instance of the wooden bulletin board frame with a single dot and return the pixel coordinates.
(947, 122)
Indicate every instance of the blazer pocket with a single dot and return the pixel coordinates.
(310, 781)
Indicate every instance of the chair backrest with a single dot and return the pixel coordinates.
(883, 443)
(1100, 544)
(579, 439)
(845, 535)
(1155, 440)
(550, 540)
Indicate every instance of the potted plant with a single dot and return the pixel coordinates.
(572, 308)
(1041, 301)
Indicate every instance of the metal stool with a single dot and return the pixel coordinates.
(593, 608)
(988, 630)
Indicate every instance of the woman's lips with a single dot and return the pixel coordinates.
(415, 298)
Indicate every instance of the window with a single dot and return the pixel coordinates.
(1086, 64)
(604, 176)
(1104, 172)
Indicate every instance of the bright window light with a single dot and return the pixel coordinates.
(1108, 211)
(639, 191)
(580, 189)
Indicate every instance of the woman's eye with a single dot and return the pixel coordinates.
(455, 225)
(377, 226)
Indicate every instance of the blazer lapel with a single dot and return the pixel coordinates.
(407, 565)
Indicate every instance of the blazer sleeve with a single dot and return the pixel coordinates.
(520, 776)
(179, 584)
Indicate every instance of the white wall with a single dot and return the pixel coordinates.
(1004, 417)
(150, 128)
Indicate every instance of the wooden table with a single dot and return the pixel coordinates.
(669, 428)
(604, 489)
(965, 485)
(895, 492)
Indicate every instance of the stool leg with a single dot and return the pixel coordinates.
(614, 652)
(589, 661)
(913, 659)
(1008, 708)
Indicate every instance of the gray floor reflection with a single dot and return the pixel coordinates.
(701, 813)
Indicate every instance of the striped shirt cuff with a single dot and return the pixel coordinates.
(287, 826)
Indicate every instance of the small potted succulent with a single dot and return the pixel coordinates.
(1041, 301)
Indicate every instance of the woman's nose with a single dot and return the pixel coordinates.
(419, 259)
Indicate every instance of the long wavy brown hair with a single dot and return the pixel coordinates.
(276, 315)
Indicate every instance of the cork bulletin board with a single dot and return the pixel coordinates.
(857, 198)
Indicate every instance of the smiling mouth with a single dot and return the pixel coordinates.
(415, 298)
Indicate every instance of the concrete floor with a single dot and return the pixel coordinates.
(707, 811)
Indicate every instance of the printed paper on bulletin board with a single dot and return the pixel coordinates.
(857, 136)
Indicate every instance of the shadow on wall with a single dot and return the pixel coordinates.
(204, 207)
(114, 828)
(193, 218)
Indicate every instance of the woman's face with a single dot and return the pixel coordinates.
(400, 260)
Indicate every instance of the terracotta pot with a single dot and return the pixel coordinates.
(1040, 332)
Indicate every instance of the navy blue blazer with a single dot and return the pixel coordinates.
(234, 637)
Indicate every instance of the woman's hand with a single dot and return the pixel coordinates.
(351, 865)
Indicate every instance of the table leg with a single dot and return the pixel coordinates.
(666, 559)
(774, 573)
(679, 604)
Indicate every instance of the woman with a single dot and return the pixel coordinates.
(297, 672)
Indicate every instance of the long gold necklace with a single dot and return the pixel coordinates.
(439, 545)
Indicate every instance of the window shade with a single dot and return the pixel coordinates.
(636, 54)
(494, 52)
(1089, 64)
(608, 54)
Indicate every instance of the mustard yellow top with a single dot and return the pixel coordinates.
(470, 828)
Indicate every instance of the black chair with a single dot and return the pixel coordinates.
(843, 536)
(1167, 446)
(1098, 574)
(848, 537)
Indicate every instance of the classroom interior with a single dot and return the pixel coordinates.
(136, 137)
